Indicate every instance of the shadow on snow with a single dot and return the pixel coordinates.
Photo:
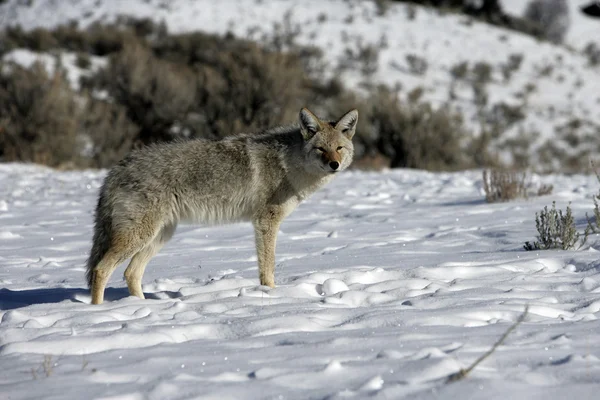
(12, 299)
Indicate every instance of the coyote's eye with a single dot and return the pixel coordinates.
(345, 130)
(339, 148)
(320, 149)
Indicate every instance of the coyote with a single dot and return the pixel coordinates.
(258, 177)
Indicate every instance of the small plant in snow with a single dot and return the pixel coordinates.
(500, 185)
(83, 60)
(593, 224)
(362, 56)
(47, 367)
(556, 230)
(592, 52)
(511, 66)
(416, 65)
(482, 72)
(411, 12)
(381, 7)
(460, 70)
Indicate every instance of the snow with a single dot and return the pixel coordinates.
(421, 278)
(66, 60)
(583, 28)
(568, 89)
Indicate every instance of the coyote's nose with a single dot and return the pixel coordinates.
(334, 165)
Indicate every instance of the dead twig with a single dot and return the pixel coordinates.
(464, 372)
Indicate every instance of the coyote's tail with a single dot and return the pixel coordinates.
(102, 236)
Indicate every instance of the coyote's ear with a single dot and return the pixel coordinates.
(309, 124)
(347, 124)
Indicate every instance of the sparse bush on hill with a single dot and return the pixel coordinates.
(98, 39)
(512, 65)
(416, 65)
(460, 70)
(363, 56)
(592, 52)
(482, 72)
(489, 11)
(503, 116)
(571, 146)
(551, 17)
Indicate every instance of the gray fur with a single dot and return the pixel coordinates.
(248, 177)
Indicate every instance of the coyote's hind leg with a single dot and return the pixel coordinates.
(137, 265)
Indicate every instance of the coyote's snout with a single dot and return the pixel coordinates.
(248, 177)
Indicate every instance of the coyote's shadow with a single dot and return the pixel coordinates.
(12, 299)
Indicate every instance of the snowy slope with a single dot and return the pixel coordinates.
(583, 29)
(554, 85)
(387, 283)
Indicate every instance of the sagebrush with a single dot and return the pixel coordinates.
(556, 230)
(161, 87)
(502, 185)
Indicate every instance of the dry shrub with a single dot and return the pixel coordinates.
(551, 17)
(251, 88)
(593, 223)
(416, 65)
(38, 116)
(364, 57)
(198, 85)
(511, 66)
(489, 11)
(592, 52)
(460, 70)
(155, 93)
(504, 116)
(97, 39)
(366, 137)
(504, 185)
(108, 133)
(192, 85)
(417, 135)
(43, 120)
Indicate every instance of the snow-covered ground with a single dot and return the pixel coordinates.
(553, 85)
(582, 30)
(387, 283)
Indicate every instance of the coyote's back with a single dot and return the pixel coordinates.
(259, 178)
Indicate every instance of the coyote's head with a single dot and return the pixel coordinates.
(327, 145)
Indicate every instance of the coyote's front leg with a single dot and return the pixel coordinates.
(266, 226)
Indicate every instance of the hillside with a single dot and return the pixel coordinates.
(534, 97)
